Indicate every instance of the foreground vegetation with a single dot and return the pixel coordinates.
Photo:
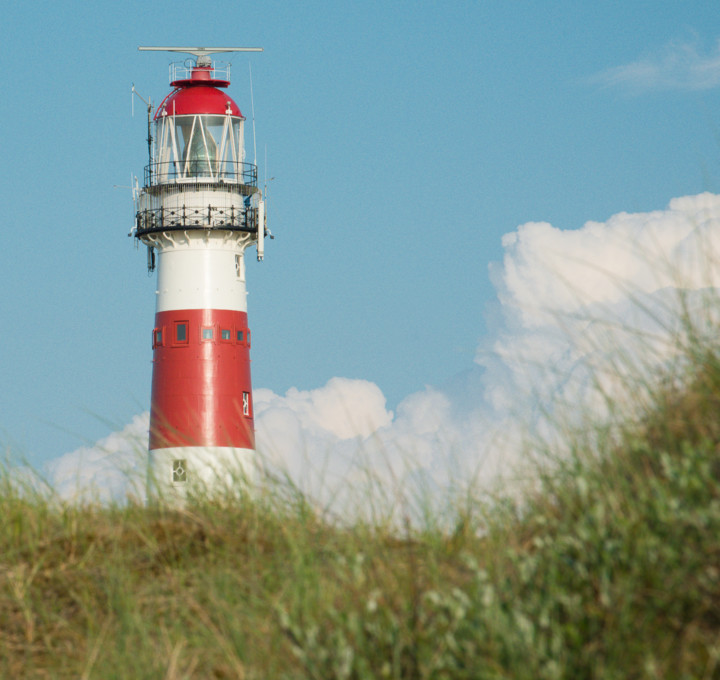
(608, 568)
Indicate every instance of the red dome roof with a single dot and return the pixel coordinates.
(198, 94)
(197, 99)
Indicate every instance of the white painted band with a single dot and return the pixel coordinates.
(197, 272)
(203, 469)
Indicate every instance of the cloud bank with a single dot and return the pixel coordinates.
(678, 66)
(591, 305)
(581, 311)
(114, 468)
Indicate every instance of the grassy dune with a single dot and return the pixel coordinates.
(608, 568)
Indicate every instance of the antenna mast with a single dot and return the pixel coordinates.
(148, 103)
(252, 106)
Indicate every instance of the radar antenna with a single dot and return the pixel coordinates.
(200, 53)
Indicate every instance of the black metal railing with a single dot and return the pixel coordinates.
(168, 219)
(201, 171)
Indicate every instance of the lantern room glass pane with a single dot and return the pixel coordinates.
(207, 146)
(199, 139)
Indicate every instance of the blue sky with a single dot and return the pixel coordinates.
(405, 139)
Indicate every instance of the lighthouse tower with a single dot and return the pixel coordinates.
(198, 210)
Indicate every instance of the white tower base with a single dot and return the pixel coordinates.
(204, 472)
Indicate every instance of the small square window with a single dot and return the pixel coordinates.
(225, 334)
(207, 333)
(181, 332)
(239, 336)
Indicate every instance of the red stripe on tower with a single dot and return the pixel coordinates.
(201, 393)
(199, 209)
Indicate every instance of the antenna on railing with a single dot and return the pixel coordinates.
(252, 107)
(262, 215)
(148, 103)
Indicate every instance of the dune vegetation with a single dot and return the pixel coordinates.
(607, 566)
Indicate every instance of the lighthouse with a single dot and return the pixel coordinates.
(197, 212)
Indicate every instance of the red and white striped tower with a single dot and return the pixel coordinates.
(198, 210)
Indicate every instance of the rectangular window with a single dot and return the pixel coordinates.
(157, 338)
(246, 403)
(207, 333)
(239, 336)
(181, 332)
(225, 334)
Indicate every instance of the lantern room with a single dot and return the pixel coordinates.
(199, 131)
(197, 177)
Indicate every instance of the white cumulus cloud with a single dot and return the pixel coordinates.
(581, 310)
(113, 468)
(581, 303)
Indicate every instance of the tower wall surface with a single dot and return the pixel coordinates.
(202, 414)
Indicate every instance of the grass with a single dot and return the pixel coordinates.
(607, 567)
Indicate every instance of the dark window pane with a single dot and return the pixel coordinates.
(207, 333)
(181, 335)
(240, 336)
(225, 334)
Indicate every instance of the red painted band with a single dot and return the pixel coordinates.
(201, 391)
